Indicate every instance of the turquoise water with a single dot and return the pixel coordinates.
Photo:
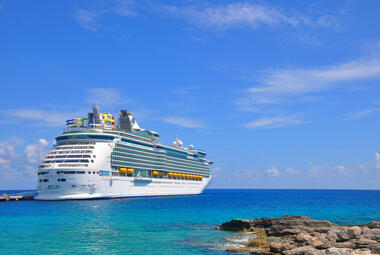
(165, 225)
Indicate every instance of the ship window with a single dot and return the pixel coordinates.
(103, 137)
(92, 161)
(80, 172)
(93, 172)
(94, 156)
(69, 172)
(73, 165)
(46, 180)
(40, 180)
(89, 172)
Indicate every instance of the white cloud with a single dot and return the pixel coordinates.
(7, 150)
(5, 163)
(365, 112)
(87, 19)
(280, 86)
(257, 174)
(362, 113)
(41, 117)
(316, 176)
(125, 8)
(251, 175)
(275, 122)
(291, 171)
(334, 171)
(377, 160)
(272, 171)
(240, 14)
(35, 152)
(106, 96)
(19, 163)
(215, 171)
(232, 15)
(183, 122)
(212, 16)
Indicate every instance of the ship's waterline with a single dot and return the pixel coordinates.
(96, 158)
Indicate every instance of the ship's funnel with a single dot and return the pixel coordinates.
(127, 122)
(96, 114)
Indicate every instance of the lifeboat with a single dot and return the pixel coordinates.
(154, 173)
(160, 173)
(130, 171)
(123, 170)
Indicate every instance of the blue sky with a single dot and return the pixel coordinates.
(281, 94)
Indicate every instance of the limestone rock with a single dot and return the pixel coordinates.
(236, 225)
(345, 245)
(348, 233)
(280, 247)
(302, 238)
(341, 251)
(331, 236)
(305, 250)
(296, 235)
(373, 224)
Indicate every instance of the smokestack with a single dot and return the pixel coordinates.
(96, 114)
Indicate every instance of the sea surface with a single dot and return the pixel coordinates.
(165, 225)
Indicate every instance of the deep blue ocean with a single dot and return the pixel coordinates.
(165, 225)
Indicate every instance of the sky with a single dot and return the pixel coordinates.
(280, 94)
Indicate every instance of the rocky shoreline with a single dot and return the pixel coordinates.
(300, 235)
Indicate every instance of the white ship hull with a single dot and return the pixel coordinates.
(96, 161)
(121, 187)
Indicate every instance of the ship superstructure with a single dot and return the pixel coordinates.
(97, 157)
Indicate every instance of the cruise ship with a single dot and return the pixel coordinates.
(97, 157)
